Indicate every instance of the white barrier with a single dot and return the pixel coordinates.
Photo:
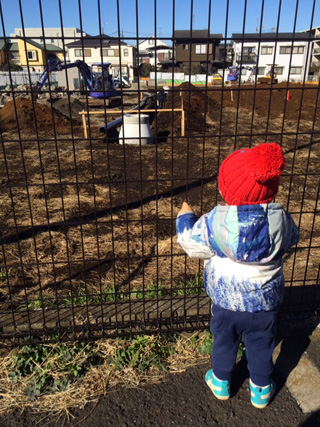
(22, 78)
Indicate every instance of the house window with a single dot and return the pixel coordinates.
(79, 52)
(31, 55)
(278, 70)
(266, 50)
(243, 72)
(261, 71)
(295, 70)
(298, 49)
(185, 47)
(110, 52)
(290, 49)
(125, 52)
(246, 51)
(201, 48)
(104, 52)
(151, 41)
(52, 40)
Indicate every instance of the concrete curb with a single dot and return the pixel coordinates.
(303, 381)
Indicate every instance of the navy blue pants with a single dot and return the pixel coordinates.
(259, 331)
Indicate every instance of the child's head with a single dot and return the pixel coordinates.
(252, 175)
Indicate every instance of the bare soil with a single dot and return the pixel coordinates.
(181, 400)
(88, 214)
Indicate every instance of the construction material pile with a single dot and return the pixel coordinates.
(195, 104)
(29, 116)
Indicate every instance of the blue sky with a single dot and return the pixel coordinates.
(200, 13)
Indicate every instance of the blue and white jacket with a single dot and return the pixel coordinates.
(243, 248)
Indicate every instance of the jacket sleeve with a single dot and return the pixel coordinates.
(193, 236)
(292, 232)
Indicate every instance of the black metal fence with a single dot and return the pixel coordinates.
(89, 200)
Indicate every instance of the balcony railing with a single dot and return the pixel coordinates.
(252, 57)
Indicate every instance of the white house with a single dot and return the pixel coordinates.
(50, 35)
(315, 34)
(154, 51)
(288, 54)
(103, 48)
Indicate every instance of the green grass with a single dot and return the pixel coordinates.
(143, 352)
(3, 275)
(51, 368)
(193, 286)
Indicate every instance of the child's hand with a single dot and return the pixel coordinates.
(185, 208)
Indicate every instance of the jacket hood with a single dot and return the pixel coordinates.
(251, 233)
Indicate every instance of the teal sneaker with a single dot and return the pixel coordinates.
(261, 396)
(221, 389)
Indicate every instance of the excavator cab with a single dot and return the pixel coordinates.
(102, 78)
(233, 74)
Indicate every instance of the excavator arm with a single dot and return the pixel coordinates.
(57, 65)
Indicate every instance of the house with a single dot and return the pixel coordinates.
(286, 53)
(102, 48)
(198, 48)
(224, 56)
(49, 35)
(28, 53)
(314, 34)
(34, 55)
(9, 52)
(2, 52)
(154, 52)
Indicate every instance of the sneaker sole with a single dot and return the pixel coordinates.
(259, 406)
(272, 392)
(216, 395)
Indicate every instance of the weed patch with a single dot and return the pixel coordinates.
(144, 352)
(192, 286)
(51, 368)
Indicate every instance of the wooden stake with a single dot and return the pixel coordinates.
(84, 123)
(182, 123)
(182, 116)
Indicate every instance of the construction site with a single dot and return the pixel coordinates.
(92, 217)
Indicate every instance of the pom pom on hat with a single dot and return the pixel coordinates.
(265, 162)
(251, 176)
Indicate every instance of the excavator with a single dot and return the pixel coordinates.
(97, 78)
(235, 73)
(269, 78)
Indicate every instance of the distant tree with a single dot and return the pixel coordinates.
(195, 69)
(145, 70)
(13, 67)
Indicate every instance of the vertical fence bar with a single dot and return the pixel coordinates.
(111, 211)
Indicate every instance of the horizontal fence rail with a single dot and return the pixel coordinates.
(106, 128)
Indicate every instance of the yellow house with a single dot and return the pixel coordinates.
(35, 55)
(2, 52)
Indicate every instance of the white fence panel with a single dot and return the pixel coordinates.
(22, 78)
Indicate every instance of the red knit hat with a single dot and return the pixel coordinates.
(252, 175)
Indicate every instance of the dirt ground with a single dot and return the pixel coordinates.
(181, 400)
(93, 215)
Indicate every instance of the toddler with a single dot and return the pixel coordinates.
(242, 244)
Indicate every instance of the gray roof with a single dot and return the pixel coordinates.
(271, 36)
(48, 47)
(96, 41)
(197, 35)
